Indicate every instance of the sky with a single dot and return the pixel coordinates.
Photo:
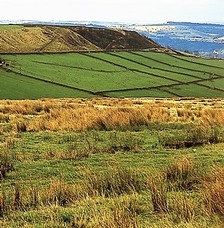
(124, 11)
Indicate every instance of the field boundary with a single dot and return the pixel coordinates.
(167, 86)
(156, 68)
(197, 63)
(77, 52)
(132, 69)
(171, 65)
(55, 83)
(79, 68)
(174, 80)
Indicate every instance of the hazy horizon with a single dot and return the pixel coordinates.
(142, 11)
(17, 21)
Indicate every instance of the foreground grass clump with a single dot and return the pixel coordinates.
(184, 209)
(158, 188)
(114, 181)
(182, 174)
(6, 164)
(214, 194)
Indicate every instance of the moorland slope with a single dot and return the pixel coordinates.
(39, 39)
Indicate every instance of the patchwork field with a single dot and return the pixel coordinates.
(112, 163)
(115, 74)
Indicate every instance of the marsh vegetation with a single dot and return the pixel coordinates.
(112, 163)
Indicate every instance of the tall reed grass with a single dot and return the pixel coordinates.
(107, 114)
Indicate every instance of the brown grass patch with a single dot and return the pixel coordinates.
(60, 193)
(158, 188)
(108, 114)
(6, 164)
(183, 208)
(214, 191)
(183, 174)
(113, 182)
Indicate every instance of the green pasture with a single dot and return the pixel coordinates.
(131, 63)
(14, 86)
(9, 27)
(154, 62)
(207, 61)
(141, 93)
(195, 90)
(141, 74)
(66, 59)
(89, 80)
(179, 62)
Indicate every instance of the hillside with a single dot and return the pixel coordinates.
(114, 39)
(107, 63)
(39, 39)
(113, 74)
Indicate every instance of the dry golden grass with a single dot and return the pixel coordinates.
(114, 181)
(82, 114)
(42, 39)
(214, 191)
(182, 174)
(184, 208)
(77, 154)
(59, 193)
(158, 188)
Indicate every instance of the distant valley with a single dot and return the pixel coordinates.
(205, 40)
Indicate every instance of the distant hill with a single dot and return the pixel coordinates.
(42, 38)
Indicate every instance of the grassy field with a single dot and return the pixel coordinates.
(112, 163)
(116, 74)
(9, 27)
(12, 87)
